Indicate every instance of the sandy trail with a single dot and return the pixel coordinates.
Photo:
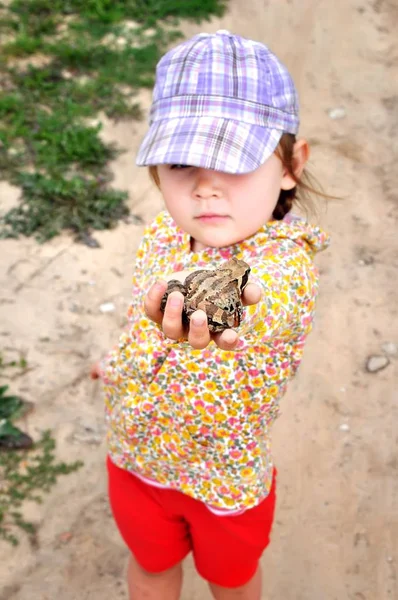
(336, 532)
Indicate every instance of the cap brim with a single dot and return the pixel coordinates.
(211, 143)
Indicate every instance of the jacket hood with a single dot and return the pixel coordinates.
(311, 237)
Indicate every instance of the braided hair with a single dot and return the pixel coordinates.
(284, 204)
(306, 184)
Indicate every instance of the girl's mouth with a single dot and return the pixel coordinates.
(211, 218)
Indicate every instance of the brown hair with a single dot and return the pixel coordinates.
(306, 184)
(300, 194)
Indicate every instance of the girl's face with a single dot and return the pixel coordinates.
(219, 209)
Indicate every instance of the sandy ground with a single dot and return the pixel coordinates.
(336, 532)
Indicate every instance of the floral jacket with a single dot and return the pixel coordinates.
(199, 421)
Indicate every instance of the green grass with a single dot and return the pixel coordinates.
(63, 62)
(26, 475)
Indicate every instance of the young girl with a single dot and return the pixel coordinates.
(190, 413)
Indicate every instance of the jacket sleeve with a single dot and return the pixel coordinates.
(288, 279)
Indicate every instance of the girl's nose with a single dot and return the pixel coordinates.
(206, 184)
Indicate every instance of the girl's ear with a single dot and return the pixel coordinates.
(300, 155)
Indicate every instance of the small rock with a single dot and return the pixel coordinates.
(130, 25)
(86, 437)
(344, 427)
(75, 308)
(65, 537)
(376, 363)
(366, 260)
(121, 41)
(390, 348)
(107, 307)
(337, 113)
(67, 74)
(149, 32)
(116, 272)
(88, 240)
(133, 220)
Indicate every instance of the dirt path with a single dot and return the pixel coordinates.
(336, 533)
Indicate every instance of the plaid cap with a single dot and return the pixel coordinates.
(220, 102)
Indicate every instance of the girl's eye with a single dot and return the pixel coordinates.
(179, 166)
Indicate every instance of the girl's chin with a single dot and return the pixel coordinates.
(202, 242)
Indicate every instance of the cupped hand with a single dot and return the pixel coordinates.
(197, 334)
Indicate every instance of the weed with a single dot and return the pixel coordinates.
(52, 203)
(26, 475)
(21, 363)
(64, 62)
(27, 469)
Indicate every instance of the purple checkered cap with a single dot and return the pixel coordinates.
(220, 102)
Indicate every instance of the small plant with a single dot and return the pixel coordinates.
(27, 469)
(63, 63)
(53, 203)
(26, 475)
(10, 406)
(21, 363)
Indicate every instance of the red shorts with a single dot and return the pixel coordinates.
(162, 526)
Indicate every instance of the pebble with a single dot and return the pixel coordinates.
(131, 25)
(366, 261)
(88, 434)
(107, 307)
(75, 308)
(86, 437)
(344, 427)
(88, 240)
(65, 537)
(133, 220)
(376, 363)
(149, 32)
(390, 348)
(337, 113)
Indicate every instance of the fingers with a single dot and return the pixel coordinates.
(152, 301)
(226, 340)
(95, 371)
(251, 294)
(198, 335)
(171, 320)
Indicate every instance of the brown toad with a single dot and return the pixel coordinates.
(218, 292)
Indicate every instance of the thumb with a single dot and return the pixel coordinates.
(251, 294)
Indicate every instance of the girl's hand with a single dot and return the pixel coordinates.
(95, 371)
(198, 334)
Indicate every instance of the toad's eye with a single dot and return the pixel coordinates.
(179, 167)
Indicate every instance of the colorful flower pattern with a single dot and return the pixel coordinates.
(199, 421)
